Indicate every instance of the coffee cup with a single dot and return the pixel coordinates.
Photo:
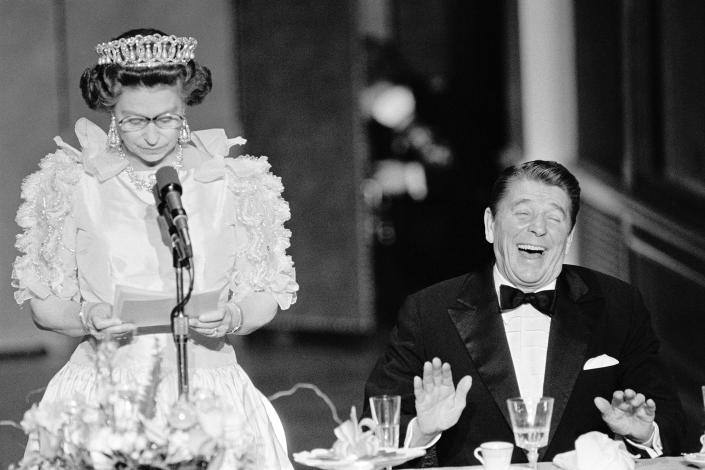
(495, 455)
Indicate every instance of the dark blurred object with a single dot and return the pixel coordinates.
(421, 189)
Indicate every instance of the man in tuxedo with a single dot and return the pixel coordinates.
(529, 326)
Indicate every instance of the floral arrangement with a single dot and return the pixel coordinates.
(122, 430)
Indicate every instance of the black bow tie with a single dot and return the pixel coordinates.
(510, 298)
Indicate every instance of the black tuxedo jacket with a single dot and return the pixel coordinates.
(459, 321)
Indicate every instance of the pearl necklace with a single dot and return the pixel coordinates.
(147, 182)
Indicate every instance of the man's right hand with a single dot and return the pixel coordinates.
(438, 402)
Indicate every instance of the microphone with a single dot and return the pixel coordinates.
(168, 189)
(166, 228)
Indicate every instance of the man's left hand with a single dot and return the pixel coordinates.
(629, 414)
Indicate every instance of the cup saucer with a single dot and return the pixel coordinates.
(696, 458)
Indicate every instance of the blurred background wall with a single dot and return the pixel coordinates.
(613, 89)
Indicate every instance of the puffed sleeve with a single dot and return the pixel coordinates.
(261, 263)
(47, 265)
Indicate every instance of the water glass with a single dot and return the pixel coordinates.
(702, 438)
(385, 413)
(531, 422)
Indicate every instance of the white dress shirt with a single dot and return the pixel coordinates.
(527, 334)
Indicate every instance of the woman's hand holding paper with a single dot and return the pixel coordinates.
(100, 320)
(214, 324)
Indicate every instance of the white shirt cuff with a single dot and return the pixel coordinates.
(652, 446)
(410, 436)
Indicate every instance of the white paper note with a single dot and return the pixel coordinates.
(147, 308)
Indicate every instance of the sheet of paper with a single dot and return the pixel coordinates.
(148, 308)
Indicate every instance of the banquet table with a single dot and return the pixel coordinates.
(661, 463)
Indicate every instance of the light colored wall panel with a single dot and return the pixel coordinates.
(28, 121)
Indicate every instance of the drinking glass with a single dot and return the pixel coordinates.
(531, 421)
(702, 438)
(385, 413)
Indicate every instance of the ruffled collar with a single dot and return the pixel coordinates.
(104, 165)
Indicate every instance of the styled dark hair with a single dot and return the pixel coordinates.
(102, 84)
(548, 172)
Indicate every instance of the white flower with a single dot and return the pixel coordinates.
(102, 461)
(156, 431)
(99, 442)
(179, 443)
(49, 416)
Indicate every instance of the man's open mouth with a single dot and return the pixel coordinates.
(533, 250)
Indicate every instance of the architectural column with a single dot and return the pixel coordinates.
(548, 82)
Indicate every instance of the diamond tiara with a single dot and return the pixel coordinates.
(147, 51)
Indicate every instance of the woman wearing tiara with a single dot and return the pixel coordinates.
(90, 228)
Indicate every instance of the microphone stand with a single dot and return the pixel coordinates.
(179, 320)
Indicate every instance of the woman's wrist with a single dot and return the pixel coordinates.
(236, 318)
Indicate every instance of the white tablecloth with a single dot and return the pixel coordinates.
(662, 463)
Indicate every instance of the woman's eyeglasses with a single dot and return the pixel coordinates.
(162, 121)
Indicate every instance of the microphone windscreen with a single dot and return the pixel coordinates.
(167, 176)
(157, 196)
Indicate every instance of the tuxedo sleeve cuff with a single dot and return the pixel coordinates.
(412, 431)
(653, 446)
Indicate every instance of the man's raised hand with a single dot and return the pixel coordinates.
(629, 414)
(438, 402)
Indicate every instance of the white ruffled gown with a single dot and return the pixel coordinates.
(88, 229)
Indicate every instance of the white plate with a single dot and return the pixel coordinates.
(697, 459)
(324, 459)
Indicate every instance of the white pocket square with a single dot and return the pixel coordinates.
(602, 360)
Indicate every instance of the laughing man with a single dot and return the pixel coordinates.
(529, 326)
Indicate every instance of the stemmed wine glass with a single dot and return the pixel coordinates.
(531, 421)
